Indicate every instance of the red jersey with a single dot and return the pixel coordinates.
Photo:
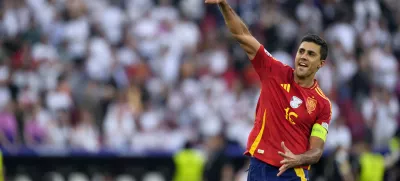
(285, 111)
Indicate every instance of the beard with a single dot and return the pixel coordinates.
(303, 72)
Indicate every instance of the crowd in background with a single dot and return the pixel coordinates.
(138, 75)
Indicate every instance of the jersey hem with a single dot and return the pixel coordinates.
(270, 162)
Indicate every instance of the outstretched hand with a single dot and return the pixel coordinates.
(214, 1)
(290, 160)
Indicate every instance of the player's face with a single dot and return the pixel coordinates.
(308, 60)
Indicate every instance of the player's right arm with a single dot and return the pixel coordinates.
(238, 29)
(263, 62)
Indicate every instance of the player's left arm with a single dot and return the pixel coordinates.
(317, 141)
(309, 157)
(318, 136)
(313, 155)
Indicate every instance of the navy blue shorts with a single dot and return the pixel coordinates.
(261, 171)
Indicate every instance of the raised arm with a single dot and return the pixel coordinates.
(238, 29)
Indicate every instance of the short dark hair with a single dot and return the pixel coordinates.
(319, 41)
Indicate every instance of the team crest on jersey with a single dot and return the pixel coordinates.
(311, 104)
(295, 102)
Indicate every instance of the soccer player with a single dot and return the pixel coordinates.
(292, 114)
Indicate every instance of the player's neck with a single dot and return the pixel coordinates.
(307, 82)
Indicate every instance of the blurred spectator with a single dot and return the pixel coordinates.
(189, 164)
(34, 132)
(339, 136)
(360, 83)
(326, 78)
(59, 131)
(343, 33)
(85, 135)
(119, 124)
(113, 18)
(76, 29)
(5, 94)
(217, 166)
(372, 166)
(380, 112)
(242, 173)
(9, 128)
(338, 145)
(346, 64)
(385, 70)
(60, 98)
(310, 16)
(43, 51)
(192, 9)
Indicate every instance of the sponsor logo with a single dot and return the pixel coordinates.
(295, 102)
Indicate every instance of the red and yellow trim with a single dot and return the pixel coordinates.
(315, 85)
(319, 92)
(259, 136)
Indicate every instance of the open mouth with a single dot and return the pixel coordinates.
(301, 64)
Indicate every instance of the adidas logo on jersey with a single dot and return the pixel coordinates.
(286, 87)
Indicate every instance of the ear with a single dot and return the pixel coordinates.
(322, 64)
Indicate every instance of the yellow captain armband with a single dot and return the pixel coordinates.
(319, 131)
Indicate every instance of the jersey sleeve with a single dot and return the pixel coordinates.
(266, 65)
(325, 115)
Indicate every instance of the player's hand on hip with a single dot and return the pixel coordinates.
(290, 160)
(214, 1)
